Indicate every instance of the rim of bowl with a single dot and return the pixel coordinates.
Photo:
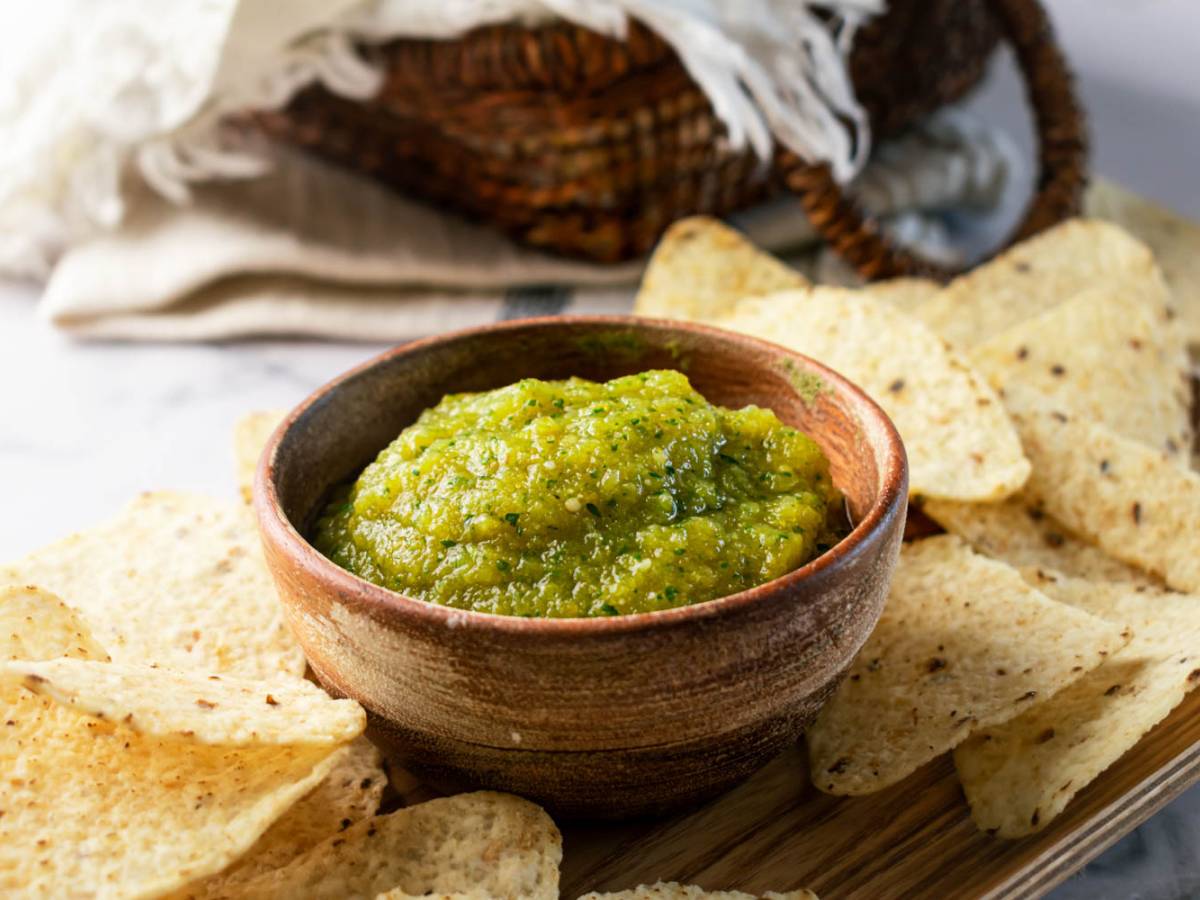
(892, 497)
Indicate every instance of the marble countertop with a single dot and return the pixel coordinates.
(85, 426)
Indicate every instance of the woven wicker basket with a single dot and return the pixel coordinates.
(591, 147)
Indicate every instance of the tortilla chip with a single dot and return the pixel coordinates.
(1130, 500)
(1019, 532)
(493, 844)
(702, 268)
(1034, 276)
(1019, 775)
(250, 436)
(671, 890)
(960, 442)
(351, 792)
(84, 802)
(906, 294)
(35, 624)
(1174, 240)
(1108, 354)
(176, 579)
(94, 802)
(963, 643)
(207, 709)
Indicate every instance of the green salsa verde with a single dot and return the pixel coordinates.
(572, 498)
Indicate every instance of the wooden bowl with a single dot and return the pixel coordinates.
(609, 717)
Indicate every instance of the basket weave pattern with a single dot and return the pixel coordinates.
(591, 147)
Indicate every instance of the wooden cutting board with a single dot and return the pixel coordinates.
(916, 839)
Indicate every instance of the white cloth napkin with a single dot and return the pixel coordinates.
(316, 251)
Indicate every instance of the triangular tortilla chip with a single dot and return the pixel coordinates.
(963, 643)
(702, 268)
(1034, 276)
(207, 709)
(250, 435)
(495, 844)
(960, 443)
(1018, 531)
(93, 804)
(1174, 240)
(83, 801)
(1109, 354)
(175, 579)
(350, 792)
(1019, 775)
(1133, 502)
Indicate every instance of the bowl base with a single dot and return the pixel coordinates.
(595, 785)
(609, 784)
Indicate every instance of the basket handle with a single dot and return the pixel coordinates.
(1062, 158)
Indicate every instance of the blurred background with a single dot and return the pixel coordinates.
(1139, 81)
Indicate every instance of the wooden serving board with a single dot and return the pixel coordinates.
(916, 839)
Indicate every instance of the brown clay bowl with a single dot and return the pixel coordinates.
(608, 717)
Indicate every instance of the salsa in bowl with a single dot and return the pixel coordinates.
(574, 498)
(592, 715)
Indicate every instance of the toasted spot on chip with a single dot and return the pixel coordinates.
(1133, 502)
(175, 579)
(56, 629)
(349, 793)
(250, 435)
(964, 643)
(192, 706)
(1110, 354)
(1018, 531)
(702, 268)
(1034, 276)
(1174, 240)
(484, 843)
(1020, 774)
(671, 890)
(960, 442)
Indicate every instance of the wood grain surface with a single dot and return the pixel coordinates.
(777, 832)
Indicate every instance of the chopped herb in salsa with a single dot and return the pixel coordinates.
(573, 498)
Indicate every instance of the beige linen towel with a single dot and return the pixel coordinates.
(316, 251)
